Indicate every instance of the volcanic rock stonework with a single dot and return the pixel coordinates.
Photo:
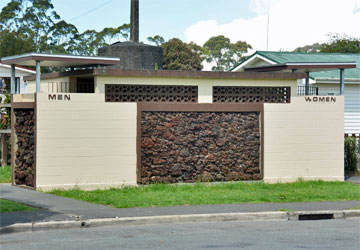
(200, 146)
(24, 156)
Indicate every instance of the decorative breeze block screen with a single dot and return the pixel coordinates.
(251, 94)
(150, 93)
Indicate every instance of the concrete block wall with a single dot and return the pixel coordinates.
(304, 140)
(84, 142)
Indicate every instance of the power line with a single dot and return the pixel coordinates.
(98, 7)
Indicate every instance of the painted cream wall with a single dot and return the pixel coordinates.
(205, 84)
(85, 143)
(304, 140)
(23, 97)
(45, 85)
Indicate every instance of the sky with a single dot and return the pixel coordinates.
(292, 23)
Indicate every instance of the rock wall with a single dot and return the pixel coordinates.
(200, 146)
(25, 153)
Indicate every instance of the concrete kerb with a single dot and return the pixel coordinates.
(40, 226)
(169, 219)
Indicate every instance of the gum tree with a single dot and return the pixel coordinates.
(224, 54)
(178, 55)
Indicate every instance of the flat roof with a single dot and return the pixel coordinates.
(57, 60)
(171, 74)
(302, 66)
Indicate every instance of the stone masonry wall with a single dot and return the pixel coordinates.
(24, 156)
(200, 146)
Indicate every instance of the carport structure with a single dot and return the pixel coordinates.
(53, 60)
(307, 68)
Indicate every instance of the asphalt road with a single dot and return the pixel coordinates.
(326, 234)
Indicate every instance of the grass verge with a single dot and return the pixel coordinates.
(158, 195)
(11, 206)
(5, 174)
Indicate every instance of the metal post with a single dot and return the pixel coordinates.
(38, 74)
(342, 82)
(4, 150)
(12, 81)
(307, 87)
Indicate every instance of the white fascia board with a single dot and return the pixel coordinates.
(18, 68)
(252, 59)
(321, 63)
(337, 80)
(60, 56)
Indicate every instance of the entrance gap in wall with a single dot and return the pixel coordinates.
(85, 85)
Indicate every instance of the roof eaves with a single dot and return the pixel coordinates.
(249, 57)
(242, 61)
(19, 68)
(65, 56)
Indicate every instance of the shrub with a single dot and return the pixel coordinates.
(351, 150)
(5, 111)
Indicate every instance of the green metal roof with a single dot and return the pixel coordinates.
(298, 57)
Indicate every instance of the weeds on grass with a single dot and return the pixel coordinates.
(286, 210)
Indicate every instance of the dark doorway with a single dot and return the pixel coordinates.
(85, 85)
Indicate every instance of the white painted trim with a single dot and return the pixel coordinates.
(336, 81)
(18, 68)
(321, 63)
(61, 56)
(255, 56)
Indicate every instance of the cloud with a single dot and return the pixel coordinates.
(293, 23)
(262, 6)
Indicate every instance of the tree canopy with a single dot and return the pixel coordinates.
(341, 44)
(34, 25)
(313, 48)
(26, 26)
(178, 55)
(223, 53)
(157, 40)
(336, 44)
